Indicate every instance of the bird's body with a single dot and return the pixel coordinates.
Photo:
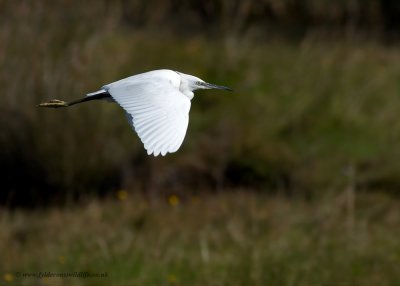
(157, 104)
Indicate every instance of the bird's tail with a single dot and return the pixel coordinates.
(55, 103)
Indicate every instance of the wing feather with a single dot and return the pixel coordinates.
(160, 140)
(153, 133)
(157, 111)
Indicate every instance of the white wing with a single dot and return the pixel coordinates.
(157, 111)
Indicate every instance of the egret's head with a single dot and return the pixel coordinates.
(194, 83)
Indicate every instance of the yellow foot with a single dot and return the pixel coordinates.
(55, 103)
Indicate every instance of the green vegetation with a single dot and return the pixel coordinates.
(300, 116)
(235, 238)
(293, 179)
(303, 112)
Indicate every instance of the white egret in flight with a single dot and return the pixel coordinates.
(156, 103)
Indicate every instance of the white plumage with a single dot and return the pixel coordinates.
(157, 104)
(159, 111)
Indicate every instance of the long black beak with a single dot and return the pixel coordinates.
(214, 86)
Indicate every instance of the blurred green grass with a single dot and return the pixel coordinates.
(232, 238)
(312, 122)
(303, 111)
(299, 116)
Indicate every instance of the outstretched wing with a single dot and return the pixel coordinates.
(158, 112)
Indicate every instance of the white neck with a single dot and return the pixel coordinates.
(189, 94)
(184, 88)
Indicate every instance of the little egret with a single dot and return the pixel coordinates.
(156, 103)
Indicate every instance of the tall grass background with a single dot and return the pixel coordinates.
(312, 126)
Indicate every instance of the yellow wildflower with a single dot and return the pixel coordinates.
(173, 200)
(172, 279)
(8, 277)
(122, 195)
